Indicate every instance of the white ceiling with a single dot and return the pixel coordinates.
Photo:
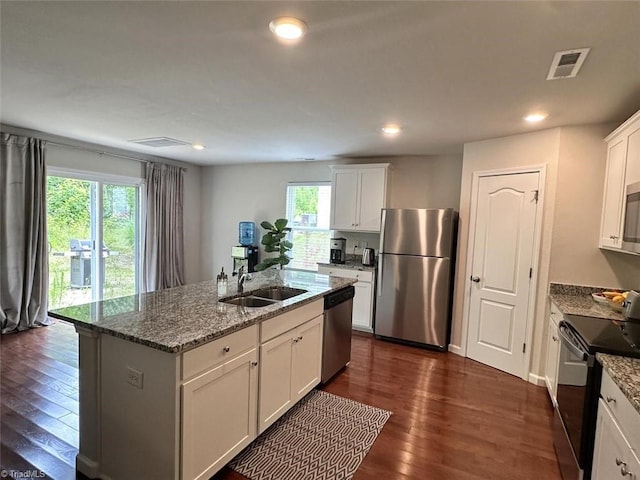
(210, 72)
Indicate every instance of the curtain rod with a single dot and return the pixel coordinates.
(117, 155)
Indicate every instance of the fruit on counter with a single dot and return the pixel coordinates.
(616, 297)
(611, 295)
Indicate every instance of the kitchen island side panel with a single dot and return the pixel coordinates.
(140, 426)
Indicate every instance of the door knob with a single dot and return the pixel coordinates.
(475, 278)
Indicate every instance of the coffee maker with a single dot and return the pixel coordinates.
(338, 250)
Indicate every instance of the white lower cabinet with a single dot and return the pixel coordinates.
(363, 301)
(617, 444)
(218, 415)
(290, 368)
(613, 457)
(553, 354)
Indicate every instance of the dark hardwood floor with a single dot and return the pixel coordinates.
(453, 418)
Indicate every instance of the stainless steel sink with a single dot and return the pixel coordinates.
(250, 301)
(278, 293)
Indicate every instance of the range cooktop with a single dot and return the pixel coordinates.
(606, 336)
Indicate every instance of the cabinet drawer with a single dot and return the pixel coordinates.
(221, 350)
(283, 323)
(360, 275)
(627, 417)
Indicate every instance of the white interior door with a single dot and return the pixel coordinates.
(503, 252)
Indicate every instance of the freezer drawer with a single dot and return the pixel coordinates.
(413, 302)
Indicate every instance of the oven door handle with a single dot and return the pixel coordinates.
(575, 349)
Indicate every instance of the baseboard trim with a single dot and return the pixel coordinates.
(88, 467)
(456, 349)
(536, 380)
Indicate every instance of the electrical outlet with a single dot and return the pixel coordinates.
(135, 377)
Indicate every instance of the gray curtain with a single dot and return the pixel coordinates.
(163, 257)
(24, 268)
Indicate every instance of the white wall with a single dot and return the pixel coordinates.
(526, 150)
(102, 160)
(256, 192)
(575, 159)
(575, 258)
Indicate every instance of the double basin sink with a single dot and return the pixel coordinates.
(264, 297)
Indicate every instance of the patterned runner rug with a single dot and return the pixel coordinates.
(323, 437)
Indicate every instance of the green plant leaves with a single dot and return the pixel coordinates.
(274, 241)
(280, 224)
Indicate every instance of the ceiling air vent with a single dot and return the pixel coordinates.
(567, 64)
(158, 142)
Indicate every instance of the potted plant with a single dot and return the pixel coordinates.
(275, 241)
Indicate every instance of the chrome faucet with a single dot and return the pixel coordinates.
(242, 277)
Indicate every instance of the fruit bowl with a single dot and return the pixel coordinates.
(600, 298)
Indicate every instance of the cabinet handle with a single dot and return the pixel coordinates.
(624, 471)
(475, 278)
(619, 462)
(254, 364)
(296, 340)
(611, 400)
(226, 349)
(554, 338)
(300, 337)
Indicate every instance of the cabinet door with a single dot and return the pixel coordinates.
(371, 200)
(612, 458)
(223, 399)
(275, 379)
(362, 306)
(344, 188)
(632, 172)
(612, 209)
(553, 356)
(307, 357)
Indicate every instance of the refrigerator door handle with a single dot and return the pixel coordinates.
(380, 276)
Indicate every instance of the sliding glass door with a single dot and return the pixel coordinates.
(94, 237)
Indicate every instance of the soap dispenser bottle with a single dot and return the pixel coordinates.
(221, 280)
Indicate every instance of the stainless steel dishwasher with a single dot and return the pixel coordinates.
(336, 341)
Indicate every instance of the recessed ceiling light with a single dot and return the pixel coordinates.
(391, 130)
(288, 28)
(535, 117)
(198, 146)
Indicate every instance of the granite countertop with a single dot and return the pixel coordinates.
(625, 372)
(577, 300)
(179, 319)
(352, 264)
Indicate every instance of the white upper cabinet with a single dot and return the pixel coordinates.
(358, 194)
(611, 226)
(623, 168)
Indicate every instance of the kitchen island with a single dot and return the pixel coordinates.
(169, 380)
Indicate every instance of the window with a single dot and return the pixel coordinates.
(308, 207)
(83, 211)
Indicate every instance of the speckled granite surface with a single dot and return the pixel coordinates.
(179, 319)
(625, 372)
(351, 262)
(577, 300)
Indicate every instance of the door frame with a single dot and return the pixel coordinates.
(537, 242)
(97, 227)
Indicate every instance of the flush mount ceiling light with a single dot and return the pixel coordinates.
(391, 130)
(197, 146)
(535, 117)
(288, 28)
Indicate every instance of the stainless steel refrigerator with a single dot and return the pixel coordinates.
(415, 273)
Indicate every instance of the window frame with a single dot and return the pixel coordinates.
(315, 183)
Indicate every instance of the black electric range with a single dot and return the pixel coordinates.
(579, 376)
